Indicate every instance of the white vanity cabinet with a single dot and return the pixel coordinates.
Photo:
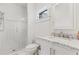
(55, 48)
(60, 49)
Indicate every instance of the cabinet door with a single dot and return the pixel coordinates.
(65, 52)
(58, 49)
(63, 16)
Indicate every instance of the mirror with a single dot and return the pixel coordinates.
(64, 16)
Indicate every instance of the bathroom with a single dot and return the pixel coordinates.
(39, 28)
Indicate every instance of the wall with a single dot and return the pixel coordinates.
(14, 34)
(42, 28)
(77, 16)
(35, 29)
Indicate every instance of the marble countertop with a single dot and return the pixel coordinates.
(74, 43)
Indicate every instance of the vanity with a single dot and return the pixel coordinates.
(57, 45)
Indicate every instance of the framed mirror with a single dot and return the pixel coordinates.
(64, 16)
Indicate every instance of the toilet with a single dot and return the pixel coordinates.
(30, 49)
